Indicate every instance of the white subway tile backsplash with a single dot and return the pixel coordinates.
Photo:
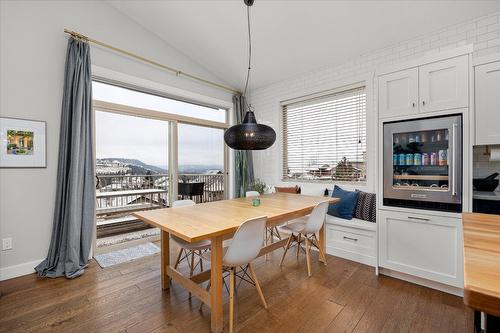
(483, 33)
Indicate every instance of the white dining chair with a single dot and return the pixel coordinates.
(244, 248)
(271, 232)
(304, 229)
(188, 251)
(249, 194)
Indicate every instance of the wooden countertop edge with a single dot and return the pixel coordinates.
(482, 302)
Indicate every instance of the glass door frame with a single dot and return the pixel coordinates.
(173, 121)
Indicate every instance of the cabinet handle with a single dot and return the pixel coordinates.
(413, 104)
(349, 238)
(423, 103)
(454, 159)
(418, 218)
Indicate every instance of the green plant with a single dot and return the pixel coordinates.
(258, 185)
(21, 151)
(11, 146)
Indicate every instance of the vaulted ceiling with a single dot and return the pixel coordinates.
(291, 37)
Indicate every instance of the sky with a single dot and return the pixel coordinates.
(147, 139)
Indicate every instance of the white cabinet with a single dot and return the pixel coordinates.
(437, 86)
(487, 103)
(398, 93)
(427, 246)
(444, 85)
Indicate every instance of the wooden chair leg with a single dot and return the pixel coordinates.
(308, 259)
(257, 285)
(231, 299)
(178, 260)
(200, 260)
(191, 269)
(266, 242)
(287, 246)
(298, 245)
(207, 289)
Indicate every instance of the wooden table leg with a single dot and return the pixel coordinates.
(322, 243)
(165, 259)
(216, 313)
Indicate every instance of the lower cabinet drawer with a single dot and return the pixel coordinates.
(426, 246)
(359, 242)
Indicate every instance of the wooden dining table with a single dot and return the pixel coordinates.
(218, 221)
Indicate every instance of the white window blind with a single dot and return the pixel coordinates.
(325, 138)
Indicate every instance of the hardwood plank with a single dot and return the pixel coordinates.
(128, 297)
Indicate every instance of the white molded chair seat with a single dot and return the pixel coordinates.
(304, 229)
(249, 194)
(201, 245)
(294, 227)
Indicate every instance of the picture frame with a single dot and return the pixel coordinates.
(23, 143)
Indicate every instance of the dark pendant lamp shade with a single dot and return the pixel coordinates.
(249, 135)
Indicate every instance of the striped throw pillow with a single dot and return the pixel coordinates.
(366, 207)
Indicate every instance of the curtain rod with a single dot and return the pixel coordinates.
(151, 62)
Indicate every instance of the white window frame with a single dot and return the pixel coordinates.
(366, 80)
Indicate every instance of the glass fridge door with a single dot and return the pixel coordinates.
(420, 160)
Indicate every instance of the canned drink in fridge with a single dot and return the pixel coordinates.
(423, 137)
(417, 159)
(395, 159)
(411, 138)
(425, 159)
(402, 159)
(434, 159)
(443, 157)
(409, 159)
(417, 138)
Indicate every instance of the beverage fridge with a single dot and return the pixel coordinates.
(423, 163)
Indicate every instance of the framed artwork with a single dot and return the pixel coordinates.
(23, 143)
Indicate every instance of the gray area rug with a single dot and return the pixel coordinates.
(117, 257)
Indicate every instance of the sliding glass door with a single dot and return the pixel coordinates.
(150, 151)
(201, 163)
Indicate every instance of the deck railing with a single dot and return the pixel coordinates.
(118, 196)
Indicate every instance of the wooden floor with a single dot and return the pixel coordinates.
(342, 297)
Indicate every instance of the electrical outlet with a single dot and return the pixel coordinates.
(6, 244)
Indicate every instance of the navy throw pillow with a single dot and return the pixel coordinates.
(346, 207)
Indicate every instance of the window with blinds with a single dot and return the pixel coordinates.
(324, 138)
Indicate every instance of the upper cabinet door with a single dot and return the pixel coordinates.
(444, 85)
(398, 93)
(487, 100)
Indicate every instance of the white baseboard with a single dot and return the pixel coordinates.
(11, 272)
(350, 255)
(423, 282)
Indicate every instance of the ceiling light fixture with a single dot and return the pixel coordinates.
(249, 135)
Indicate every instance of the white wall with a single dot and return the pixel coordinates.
(32, 55)
(483, 33)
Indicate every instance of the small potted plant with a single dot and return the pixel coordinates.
(259, 186)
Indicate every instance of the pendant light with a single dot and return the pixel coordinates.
(249, 135)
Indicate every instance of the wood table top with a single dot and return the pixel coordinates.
(211, 219)
(482, 262)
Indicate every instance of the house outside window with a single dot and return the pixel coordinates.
(324, 137)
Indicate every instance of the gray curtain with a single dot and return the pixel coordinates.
(243, 158)
(75, 196)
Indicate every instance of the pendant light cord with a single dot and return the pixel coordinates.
(249, 56)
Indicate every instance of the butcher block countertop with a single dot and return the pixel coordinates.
(482, 262)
